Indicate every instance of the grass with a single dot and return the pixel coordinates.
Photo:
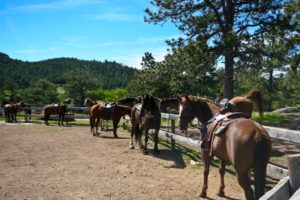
(270, 118)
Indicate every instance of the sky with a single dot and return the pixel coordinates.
(112, 30)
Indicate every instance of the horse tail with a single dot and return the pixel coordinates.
(261, 158)
(256, 96)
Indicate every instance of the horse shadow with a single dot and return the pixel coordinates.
(109, 137)
(169, 155)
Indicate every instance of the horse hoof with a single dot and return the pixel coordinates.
(131, 147)
(221, 194)
(203, 194)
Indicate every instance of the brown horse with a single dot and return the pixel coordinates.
(11, 110)
(114, 113)
(55, 109)
(90, 103)
(245, 103)
(145, 116)
(244, 143)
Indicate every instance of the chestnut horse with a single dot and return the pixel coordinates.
(55, 109)
(245, 144)
(11, 110)
(90, 103)
(145, 116)
(245, 103)
(100, 111)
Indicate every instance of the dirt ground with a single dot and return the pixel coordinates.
(52, 162)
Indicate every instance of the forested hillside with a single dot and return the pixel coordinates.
(112, 75)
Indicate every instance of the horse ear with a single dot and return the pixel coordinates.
(179, 99)
(186, 97)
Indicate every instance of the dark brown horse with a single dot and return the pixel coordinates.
(11, 110)
(130, 101)
(145, 116)
(245, 144)
(55, 109)
(245, 103)
(114, 113)
(169, 104)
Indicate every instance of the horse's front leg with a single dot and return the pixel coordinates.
(146, 141)
(206, 162)
(115, 125)
(133, 129)
(62, 119)
(59, 118)
(156, 151)
(222, 174)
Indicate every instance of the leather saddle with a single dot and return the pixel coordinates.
(107, 109)
(217, 126)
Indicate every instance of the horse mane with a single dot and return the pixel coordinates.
(208, 105)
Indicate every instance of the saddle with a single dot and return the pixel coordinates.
(107, 109)
(217, 126)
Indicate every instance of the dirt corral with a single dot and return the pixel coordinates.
(51, 162)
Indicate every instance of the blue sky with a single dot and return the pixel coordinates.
(34, 30)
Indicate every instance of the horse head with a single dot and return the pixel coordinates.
(186, 112)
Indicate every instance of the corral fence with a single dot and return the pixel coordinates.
(287, 188)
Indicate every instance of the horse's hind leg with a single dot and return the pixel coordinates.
(244, 181)
(206, 161)
(222, 184)
(156, 151)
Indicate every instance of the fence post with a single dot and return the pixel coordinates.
(173, 131)
(294, 171)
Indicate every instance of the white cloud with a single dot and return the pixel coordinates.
(115, 16)
(59, 4)
(35, 51)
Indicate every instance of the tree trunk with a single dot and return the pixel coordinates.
(229, 62)
(270, 88)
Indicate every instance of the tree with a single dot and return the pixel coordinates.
(41, 92)
(78, 82)
(223, 25)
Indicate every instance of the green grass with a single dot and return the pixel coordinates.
(269, 118)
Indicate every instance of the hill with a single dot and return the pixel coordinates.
(113, 74)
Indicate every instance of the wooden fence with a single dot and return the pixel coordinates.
(284, 189)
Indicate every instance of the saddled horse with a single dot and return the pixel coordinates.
(113, 112)
(244, 143)
(145, 116)
(90, 103)
(11, 110)
(55, 109)
(245, 103)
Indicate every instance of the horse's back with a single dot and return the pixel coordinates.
(240, 141)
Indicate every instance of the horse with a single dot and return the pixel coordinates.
(114, 113)
(145, 116)
(130, 101)
(11, 110)
(245, 103)
(90, 103)
(27, 111)
(244, 143)
(169, 104)
(55, 109)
